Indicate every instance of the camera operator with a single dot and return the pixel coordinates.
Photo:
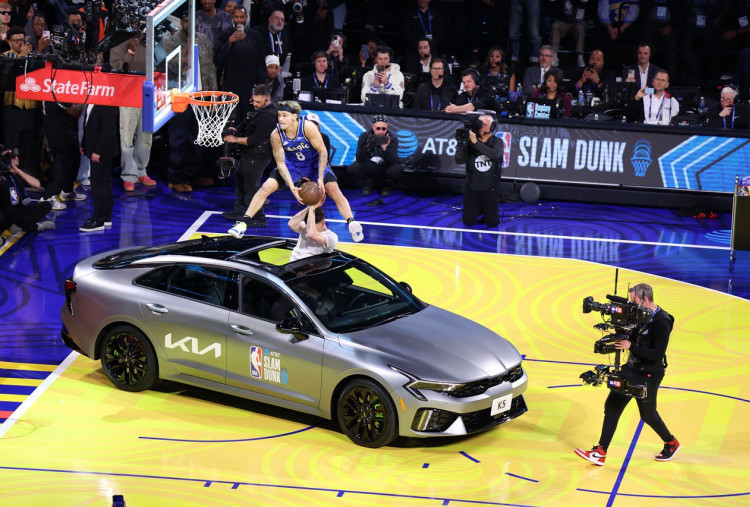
(483, 154)
(253, 137)
(377, 158)
(646, 365)
(16, 209)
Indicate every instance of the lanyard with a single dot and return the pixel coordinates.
(725, 118)
(658, 113)
(427, 30)
(432, 105)
(275, 45)
(317, 83)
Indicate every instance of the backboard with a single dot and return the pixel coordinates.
(171, 60)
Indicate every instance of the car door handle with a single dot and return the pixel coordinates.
(242, 329)
(156, 308)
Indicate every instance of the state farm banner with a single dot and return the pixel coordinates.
(570, 154)
(78, 87)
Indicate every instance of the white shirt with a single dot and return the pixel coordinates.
(644, 76)
(659, 110)
(306, 247)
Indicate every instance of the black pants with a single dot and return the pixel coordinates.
(616, 403)
(25, 217)
(64, 169)
(22, 130)
(185, 157)
(369, 174)
(247, 180)
(101, 187)
(484, 202)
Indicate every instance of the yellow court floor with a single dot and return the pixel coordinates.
(82, 440)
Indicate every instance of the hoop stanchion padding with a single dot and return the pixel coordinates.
(212, 109)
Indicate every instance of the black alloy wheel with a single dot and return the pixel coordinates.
(367, 414)
(129, 359)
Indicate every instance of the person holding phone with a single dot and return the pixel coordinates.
(377, 161)
(642, 74)
(654, 105)
(39, 39)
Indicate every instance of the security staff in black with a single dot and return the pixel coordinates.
(254, 137)
(483, 155)
(645, 366)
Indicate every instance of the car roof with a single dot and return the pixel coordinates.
(248, 250)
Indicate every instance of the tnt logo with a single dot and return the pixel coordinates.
(30, 85)
(506, 137)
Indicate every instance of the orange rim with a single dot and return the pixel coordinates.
(199, 98)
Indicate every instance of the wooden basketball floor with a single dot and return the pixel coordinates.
(81, 441)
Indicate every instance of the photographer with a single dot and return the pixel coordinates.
(377, 158)
(483, 154)
(16, 209)
(646, 366)
(253, 138)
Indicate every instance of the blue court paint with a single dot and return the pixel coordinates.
(425, 465)
(184, 440)
(472, 459)
(521, 477)
(624, 467)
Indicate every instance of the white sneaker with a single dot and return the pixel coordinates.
(238, 230)
(72, 196)
(355, 228)
(57, 204)
(45, 225)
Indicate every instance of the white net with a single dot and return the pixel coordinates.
(212, 109)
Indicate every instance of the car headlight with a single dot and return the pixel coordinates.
(415, 384)
(460, 390)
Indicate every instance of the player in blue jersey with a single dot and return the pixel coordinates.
(300, 153)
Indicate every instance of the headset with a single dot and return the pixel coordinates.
(436, 59)
(474, 73)
(733, 88)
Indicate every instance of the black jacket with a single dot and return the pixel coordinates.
(368, 148)
(741, 117)
(100, 133)
(12, 190)
(257, 127)
(648, 349)
(482, 174)
(440, 96)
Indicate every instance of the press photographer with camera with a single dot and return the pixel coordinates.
(377, 158)
(646, 365)
(483, 154)
(16, 208)
(251, 137)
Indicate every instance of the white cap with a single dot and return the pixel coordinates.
(313, 118)
(272, 59)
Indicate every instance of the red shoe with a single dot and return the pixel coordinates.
(596, 455)
(670, 449)
(129, 186)
(145, 180)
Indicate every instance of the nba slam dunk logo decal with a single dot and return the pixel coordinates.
(265, 364)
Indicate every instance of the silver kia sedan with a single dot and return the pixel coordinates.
(329, 335)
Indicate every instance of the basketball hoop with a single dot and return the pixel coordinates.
(212, 109)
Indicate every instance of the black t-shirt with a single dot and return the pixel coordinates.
(12, 190)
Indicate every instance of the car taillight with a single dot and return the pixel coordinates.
(70, 288)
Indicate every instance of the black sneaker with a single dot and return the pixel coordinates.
(670, 449)
(92, 224)
(258, 222)
(366, 191)
(233, 215)
(107, 221)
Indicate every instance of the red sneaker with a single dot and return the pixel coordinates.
(129, 186)
(670, 449)
(596, 455)
(145, 180)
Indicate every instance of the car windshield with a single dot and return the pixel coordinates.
(350, 294)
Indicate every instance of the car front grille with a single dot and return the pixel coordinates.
(482, 420)
(480, 386)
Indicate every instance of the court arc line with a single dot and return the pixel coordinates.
(466, 455)
(521, 477)
(237, 484)
(193, 441)
(625, 463)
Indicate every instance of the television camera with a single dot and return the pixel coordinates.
(471, 123)
(623, 318)
(6, 158)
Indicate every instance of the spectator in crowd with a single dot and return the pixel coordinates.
(5, 12)
(656, 107)
(377, 161)
(322, 76)
(212, 22)
(532, 9)
(61, 130)
(16, 209)
(642, 74)
(471, 98)
(434, 94)
(661, 28)
(534, 76)
(135, 143)
(275, 38)
(228, 6)
(338, 62)
(241, 53)
(570, 16)
(728, 114)
(205, 52)
(100, 145)
(35, 31)
(495, 65)
(367, 58)
(552, 92)
(385, 78)
(419, 63)
(274, 81)
(594, 78)
(423, 22)
(615, 19)
(21, 12)
(253, 137)
(22, 118)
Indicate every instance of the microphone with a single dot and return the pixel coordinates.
(440, 76)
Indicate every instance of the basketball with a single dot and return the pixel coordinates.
(310, 193)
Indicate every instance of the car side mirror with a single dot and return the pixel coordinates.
(405, 286)
(292, 326)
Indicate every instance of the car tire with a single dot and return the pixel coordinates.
(128, 359)
(366, 414)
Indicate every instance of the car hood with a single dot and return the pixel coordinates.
(435, 344)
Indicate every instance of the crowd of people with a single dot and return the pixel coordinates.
(560, 53)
